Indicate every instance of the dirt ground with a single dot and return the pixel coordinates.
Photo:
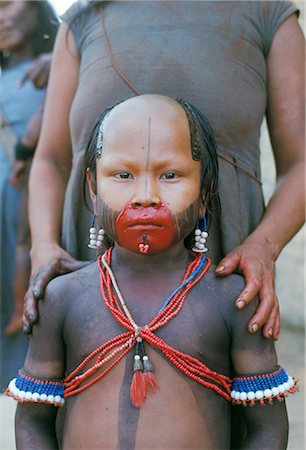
(291, 352)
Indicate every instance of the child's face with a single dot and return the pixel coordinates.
(148, 185)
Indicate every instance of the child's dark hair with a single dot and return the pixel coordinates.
(43, 36)
(203, 147)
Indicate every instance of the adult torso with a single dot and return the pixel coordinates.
(213, 54)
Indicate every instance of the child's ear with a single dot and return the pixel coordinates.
(91, 181)
(202, 209)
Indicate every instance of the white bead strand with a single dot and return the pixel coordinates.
(96, 241)
(200, 240)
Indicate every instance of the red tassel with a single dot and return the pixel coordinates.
(150, 382)
(138, 389)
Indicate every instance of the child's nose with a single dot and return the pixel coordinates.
(147, 195)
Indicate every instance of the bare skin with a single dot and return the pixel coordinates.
(74, 319)
(186, 415)
(255, 258)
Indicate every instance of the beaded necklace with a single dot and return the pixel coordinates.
(110, 353)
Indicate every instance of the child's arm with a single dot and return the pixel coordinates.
(35, 426)
(266, 420)
(42, 373)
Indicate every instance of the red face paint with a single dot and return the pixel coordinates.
(145, 230)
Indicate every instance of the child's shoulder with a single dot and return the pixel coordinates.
(224, 291)
(223, 287)
(69, 286)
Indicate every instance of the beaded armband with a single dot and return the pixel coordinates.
(25, 388)
(261, 388)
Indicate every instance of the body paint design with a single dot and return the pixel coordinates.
(128, 417)
(179, 225)
(147, 230)
(148, 155)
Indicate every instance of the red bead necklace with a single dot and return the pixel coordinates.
(110, 353)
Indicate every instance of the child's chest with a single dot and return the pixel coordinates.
(196, 328)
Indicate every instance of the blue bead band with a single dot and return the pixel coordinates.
(262, 387)
(184, 283)
(25, 388)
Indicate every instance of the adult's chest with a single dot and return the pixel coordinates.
(197, 53)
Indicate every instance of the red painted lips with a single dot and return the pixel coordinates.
(148, 230)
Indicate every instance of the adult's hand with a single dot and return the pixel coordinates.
(256, 263)
(19, 173)
(54, 261)
(39, 71)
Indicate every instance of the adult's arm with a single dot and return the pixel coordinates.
(255, 257)
(49, 175)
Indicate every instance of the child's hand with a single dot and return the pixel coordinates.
(52, 262)
(256, 263)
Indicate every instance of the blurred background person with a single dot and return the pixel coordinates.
(27, 31)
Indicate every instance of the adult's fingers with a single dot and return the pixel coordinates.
(277, 327)
(17, 176)
(14, 180)
(42, 278)
(38, 284)
(267, 302)
(52, 270)
(23, 79)
(249, 292)
(228, 264)
(266, 311)
(72, 264)
(32, 74)
(272, 326)
(261, 316)
(30, 311)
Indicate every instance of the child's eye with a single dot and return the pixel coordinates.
(169, 176)
(124, 175)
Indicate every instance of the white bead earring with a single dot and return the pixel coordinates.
(200, 236)
(95, 240)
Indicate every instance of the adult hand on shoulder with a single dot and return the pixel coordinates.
(255, 261)
(52, 262)
(39, 71)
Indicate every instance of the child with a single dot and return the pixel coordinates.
(146, 345)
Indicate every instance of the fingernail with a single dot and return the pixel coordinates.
(26, 329)
(32, 319)
(240, 304)
(254, 327)
(220, 269)
(36, 294)
(270, 332)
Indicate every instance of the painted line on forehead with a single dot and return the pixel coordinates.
(148, 155)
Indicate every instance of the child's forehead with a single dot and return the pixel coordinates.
(145, 123)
